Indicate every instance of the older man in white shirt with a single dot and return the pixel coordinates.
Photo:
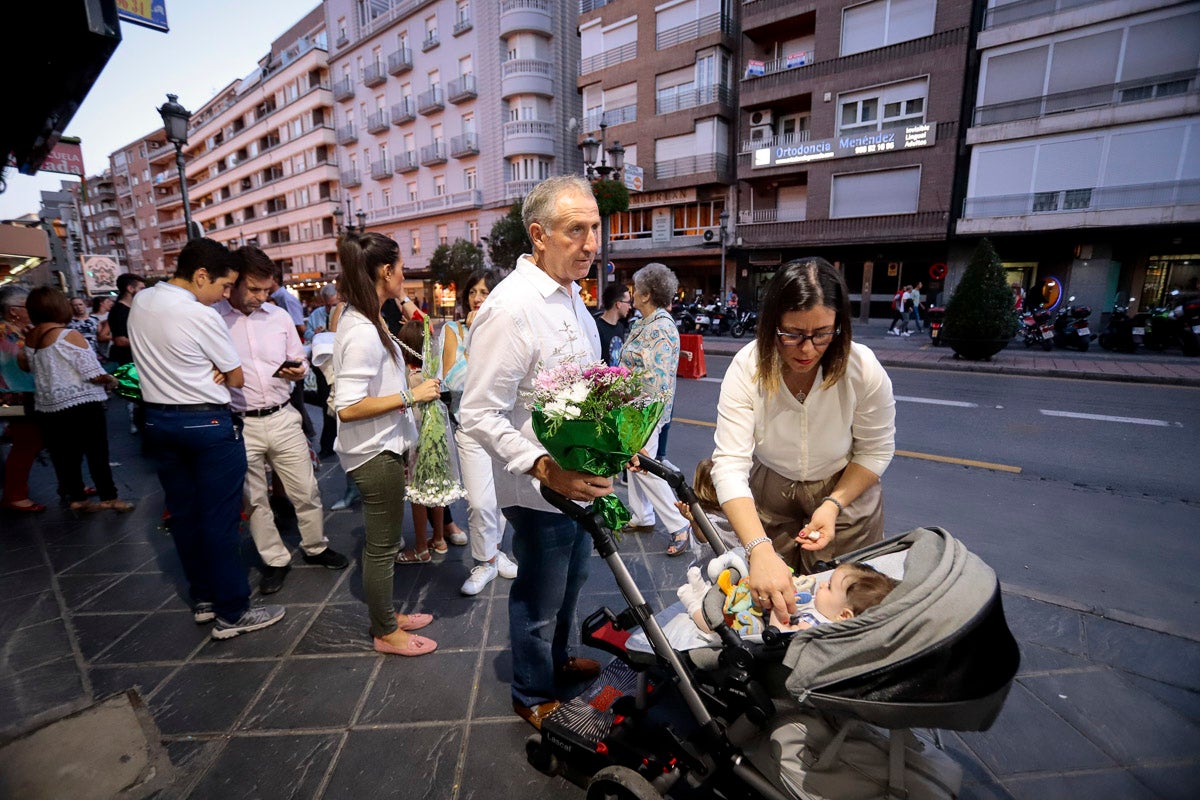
(534, 319)
(272, 361)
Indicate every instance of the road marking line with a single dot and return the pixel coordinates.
(710, 380)
(1160, 423)
(966, 462)
(933, 402)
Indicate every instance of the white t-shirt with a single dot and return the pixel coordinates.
(177, 342)
(363, 368)
(853, 420)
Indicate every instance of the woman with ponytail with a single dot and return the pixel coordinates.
(372, 401)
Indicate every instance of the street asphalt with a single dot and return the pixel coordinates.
(92, 606)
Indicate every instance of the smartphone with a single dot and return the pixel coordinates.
(289, 364)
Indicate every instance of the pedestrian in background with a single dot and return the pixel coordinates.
(100, 308)
(318, 323)
(17, 400)
(119, 352)
(918, 302)
(613, 322)
(82, 321)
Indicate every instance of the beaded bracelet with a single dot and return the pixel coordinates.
(753, 543)
(406, 398)
(841, 508)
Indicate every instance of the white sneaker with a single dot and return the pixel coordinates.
(894, 332)
(505, 566)
(906, 333)
(481, 575)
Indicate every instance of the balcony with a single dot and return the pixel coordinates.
(403, 111)
(668, 100)
(923, 226)
(430, 101)
(610, 116)
(591, 5)
(757, 14)
(1153, 88)
(526, 76)
(433, 153)
(462, 26)
(381, 169)
(374, 74)
(465, 145)
(406, 161)
(168, 200)
(343, 89)
(803, 58)
(516, 190)
(461, 89)
(783, 140)
(431, 41)
(471, 198)
(400, 61)
(1022, 10)
(522, 16)
(350, 177)
(347, 134)
(608, 58)
(378, 121)
(693, 30)
(162, 151)
(529, 137)
(693, 165)
(1167, 194)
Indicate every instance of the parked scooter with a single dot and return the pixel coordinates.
(1037, 328)
(685, 317)
(1188, 311)
(1178, 322)
(936, 316)
(1071, 327)
(1118, 334)
(747, 323)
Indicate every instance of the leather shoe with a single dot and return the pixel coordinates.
(328, 558)
(578, 669)
(272, 579)
(535, 715)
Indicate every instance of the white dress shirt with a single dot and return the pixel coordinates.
(852, 421)
(177, 342)
(263, 340)
(363, 368)
(529, 323)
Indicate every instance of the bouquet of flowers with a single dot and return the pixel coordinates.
(593, 418)
(434, 478)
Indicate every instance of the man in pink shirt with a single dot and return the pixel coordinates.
(272, 360)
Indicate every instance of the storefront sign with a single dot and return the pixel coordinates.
(635, 177)
(147, 13)
(664, 198)
(908, 138)
(66, 157)
(100, 273)
(660, 225)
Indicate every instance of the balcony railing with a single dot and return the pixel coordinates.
(374, 74)
(1100, 198)
(784, 140)
(514, 190)
(693, 30)
(516, 66)
(472, 198)
(403, 111)
(591, 5)
(343, 89)
(929, 225)
(610, 116)
(803, 58)
(1152, 88)
(400, 61)
(691, 165)
(1027, 9)
(377, 121)
(347, 134)
(381, 169)
(406, 161)
(433, 153)
(430, 101)
(668, 100)
(461, 88)
(761, 216)
(350, 177)
(431, 41)
(608, 58)
(462, 26)
(465, 145)
(528, 127)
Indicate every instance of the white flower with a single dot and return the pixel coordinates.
(578, 391)
(560, 408)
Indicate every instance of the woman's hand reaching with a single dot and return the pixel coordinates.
(771, 585)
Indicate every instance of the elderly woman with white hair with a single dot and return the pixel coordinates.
(652, 346)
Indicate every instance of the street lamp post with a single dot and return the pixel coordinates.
(724, 218)
(350, 227)
(175, 122)
(591, 149)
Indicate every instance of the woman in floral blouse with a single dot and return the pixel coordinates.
(652, 345)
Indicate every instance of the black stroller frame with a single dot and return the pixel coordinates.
(665, 729)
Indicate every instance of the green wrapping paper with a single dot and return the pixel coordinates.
(600, 447)
(128, 384)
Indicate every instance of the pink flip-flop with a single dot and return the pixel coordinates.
(417, 646)
(413, 622)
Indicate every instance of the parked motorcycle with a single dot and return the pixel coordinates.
(1037, 328)
(935, 316)
(1071, 327)
(1176, 322)
(747, 322)
(1188, 311)
(1118, 334)
(685, 317)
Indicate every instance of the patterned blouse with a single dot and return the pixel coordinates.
(652, 345)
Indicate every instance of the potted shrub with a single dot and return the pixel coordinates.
(979, 319)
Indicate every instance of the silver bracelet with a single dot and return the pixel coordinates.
(753, 543)
(841, 508)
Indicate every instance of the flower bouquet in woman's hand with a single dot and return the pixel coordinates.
(435, 480)
(594, 418)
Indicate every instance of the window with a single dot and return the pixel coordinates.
(883, 22)
(435, 79)
(412, 191)
(439, 185)
(462, 11)
(469, 180)
(468, 123)
(473, 231)
(385, 197)
(870, 194)
(895, 105)
(414, 236)
(443, 234)
(465, 67)
(431, 28)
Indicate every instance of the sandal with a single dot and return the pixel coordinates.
(413, 557)
(439, 547)
(86, 506)
(116, 504)
(681, 542)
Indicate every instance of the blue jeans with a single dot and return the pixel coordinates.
(202, 464)
(553, 553)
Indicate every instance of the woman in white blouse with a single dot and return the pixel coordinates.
(805, 429)
(372, 399)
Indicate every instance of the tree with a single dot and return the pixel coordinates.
(452, 263)
(981, 308)
(508, 240)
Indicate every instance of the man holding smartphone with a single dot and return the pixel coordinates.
(272, 361)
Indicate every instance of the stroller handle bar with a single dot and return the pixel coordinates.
(684, 492)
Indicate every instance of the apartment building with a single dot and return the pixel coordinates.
(447, 111)
(102, 232)
(1085, 147)
(130, 167)
(659, 79)
(261, 162)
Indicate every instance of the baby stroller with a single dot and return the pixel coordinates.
(936, 653)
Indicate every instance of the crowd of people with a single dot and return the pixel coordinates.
(805, 424)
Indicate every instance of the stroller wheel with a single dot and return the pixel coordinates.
(540, 757)
(620, 783)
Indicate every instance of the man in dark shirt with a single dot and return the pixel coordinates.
(613, 322)
(118, 318)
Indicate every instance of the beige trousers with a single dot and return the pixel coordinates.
(785, 506)
(278, 440)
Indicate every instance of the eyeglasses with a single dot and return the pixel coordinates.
(796, 339)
